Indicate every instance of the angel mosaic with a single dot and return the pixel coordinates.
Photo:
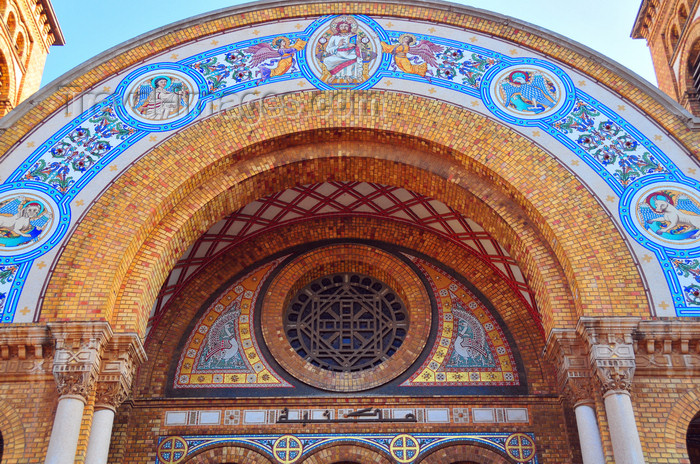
(22, 220)
(161, 97)
(528, 92)
(274, 58)
(671, 215)
(413, 57)
(344, 52)
(222, 348)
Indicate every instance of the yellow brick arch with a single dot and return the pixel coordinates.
(114, 262)
(120, 254)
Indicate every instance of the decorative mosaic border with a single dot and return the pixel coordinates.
(435, 370)
(404, 448)
(252, 370)
(624, 158)
(269, 417)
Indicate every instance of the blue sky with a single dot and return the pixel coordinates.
(91, 27)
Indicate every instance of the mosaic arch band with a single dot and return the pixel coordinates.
(354, 51)
(530, 265)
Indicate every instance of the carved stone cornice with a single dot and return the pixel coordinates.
(77, 357)
(25, 350)
(668, 345)
(122, 356)
(569, 354)
(611, 354)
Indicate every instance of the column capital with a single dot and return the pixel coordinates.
(77, 356)
(122, 356)
(569, 354)
(611, 350)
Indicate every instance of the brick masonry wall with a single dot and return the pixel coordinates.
(186, 194)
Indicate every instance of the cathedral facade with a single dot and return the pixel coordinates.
(343, 232)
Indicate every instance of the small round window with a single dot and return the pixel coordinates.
(346, 322)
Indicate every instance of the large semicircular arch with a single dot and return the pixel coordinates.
(580, 173)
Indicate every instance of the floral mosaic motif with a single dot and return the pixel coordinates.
(261, 61)
(222, 350)
(78, 151)
(23, 219)
(7, 275)
(528, 92)
(161, 97)
(688, 271)
(692, 293)
(609, 144)
(671, 215)
(454, 63)
(471, 349)
(412, 56)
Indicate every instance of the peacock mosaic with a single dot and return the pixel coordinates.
(471, 348)
(222, 350)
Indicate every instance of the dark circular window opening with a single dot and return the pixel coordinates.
(346, 322)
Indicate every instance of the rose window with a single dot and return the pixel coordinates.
(346, 322)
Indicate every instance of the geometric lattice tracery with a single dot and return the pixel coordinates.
(346, 322)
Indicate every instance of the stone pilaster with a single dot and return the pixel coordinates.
(77, 356)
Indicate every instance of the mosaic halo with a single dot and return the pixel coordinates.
(667, 214)
(31, 222)
(344, 53)
(160, 97)
(527, 92)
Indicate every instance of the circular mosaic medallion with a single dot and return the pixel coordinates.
(344, 53)
(31, 223)
(346, 322)
(527, 92)
(404, 448)
(668, 214)
(159, 97)
(287, 449)
(172, 450)
(520, 447)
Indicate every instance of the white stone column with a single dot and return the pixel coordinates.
(589, 434)
(567, 350)
(75, 367)
(100, 436)
(627, 447)
(119, 360)
(66, 431)
(612, 358)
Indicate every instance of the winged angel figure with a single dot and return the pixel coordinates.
(161, 98)
(222, 345)
(528, 93)
(425, 50)
(279, 52)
